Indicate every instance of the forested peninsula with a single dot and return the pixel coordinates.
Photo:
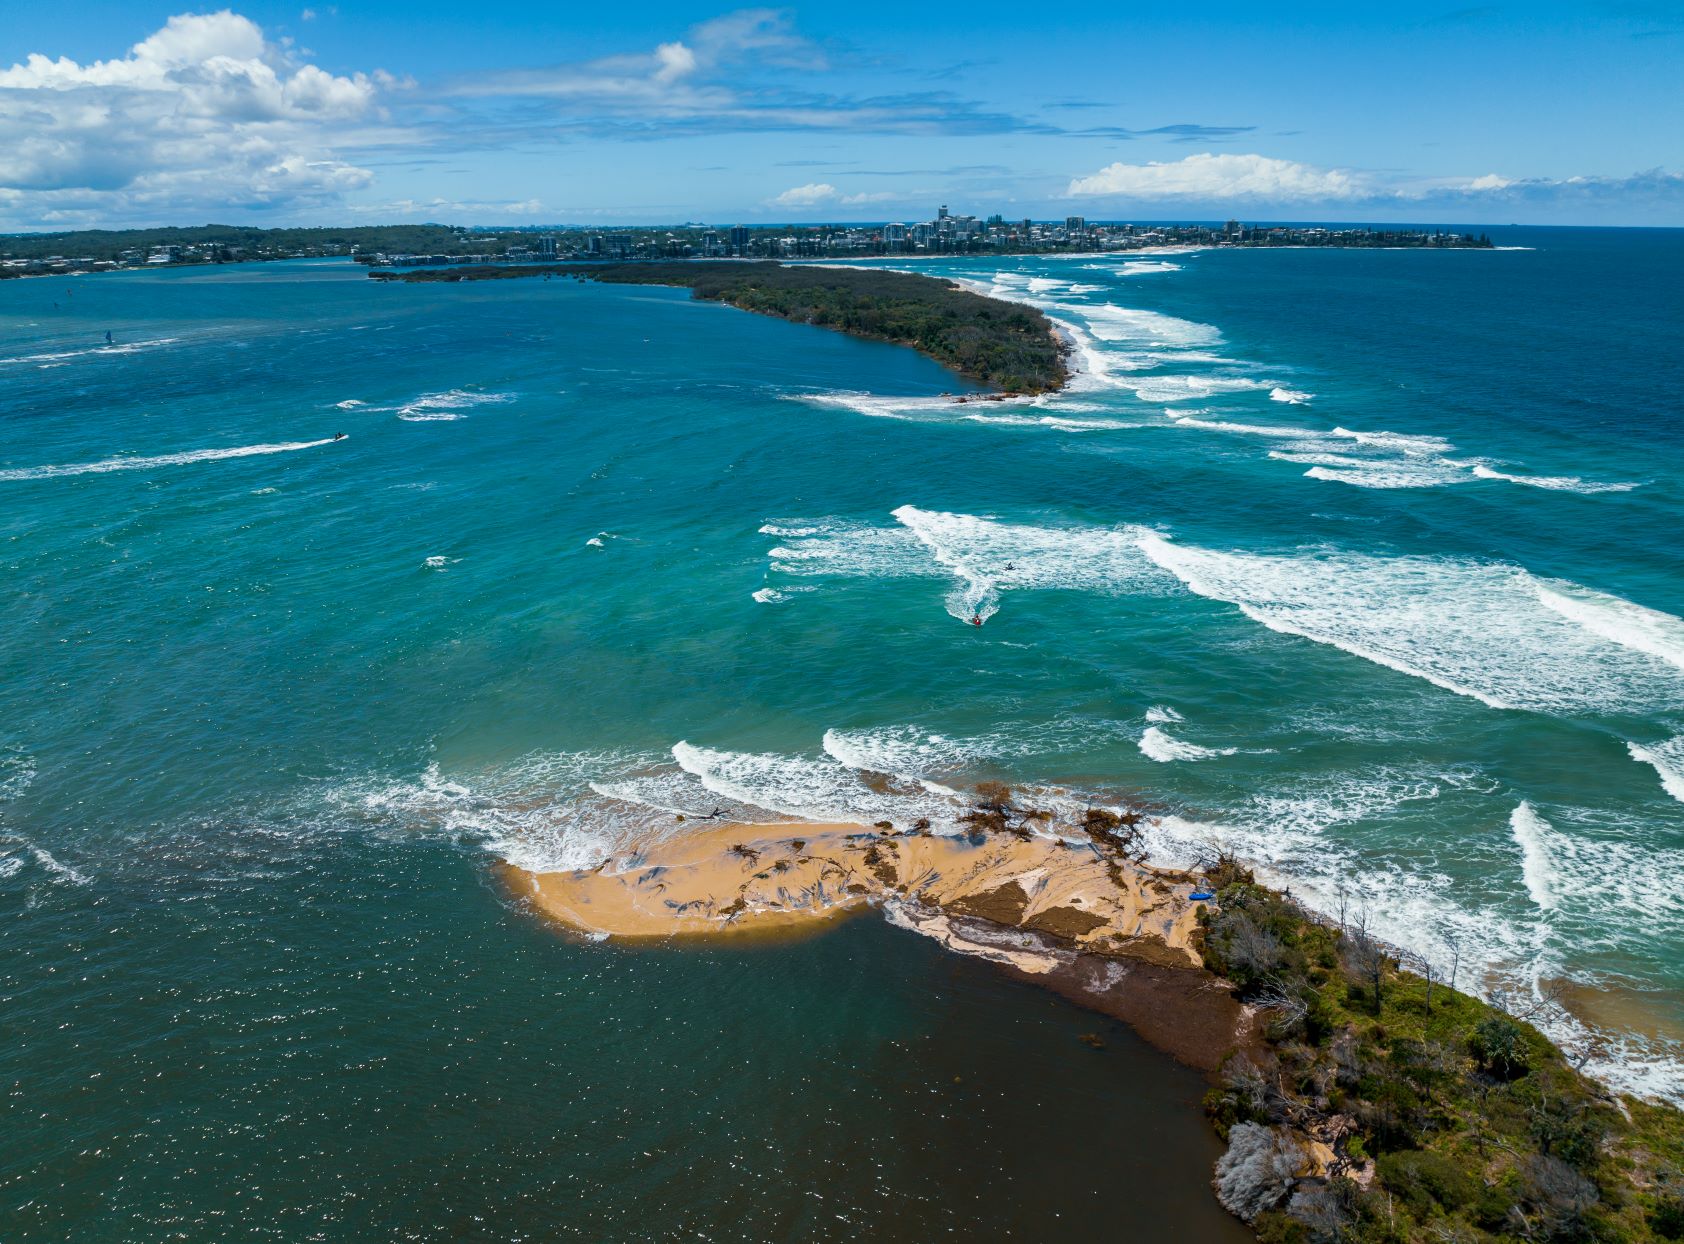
(1002, 345)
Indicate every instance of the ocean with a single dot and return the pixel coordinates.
(1360, 564)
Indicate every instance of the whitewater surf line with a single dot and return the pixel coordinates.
(1491, 631)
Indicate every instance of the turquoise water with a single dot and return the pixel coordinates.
(1363, 564)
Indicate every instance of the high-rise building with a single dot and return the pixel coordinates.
(739, 239)
(546, 246)
(1075, 224)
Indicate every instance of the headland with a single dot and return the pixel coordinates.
(1006, 346)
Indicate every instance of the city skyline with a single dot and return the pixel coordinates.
(124, 115)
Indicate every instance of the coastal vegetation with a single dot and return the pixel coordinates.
(1383, 1106)
(1008, 347)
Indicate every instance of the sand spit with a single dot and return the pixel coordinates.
(1103, 931)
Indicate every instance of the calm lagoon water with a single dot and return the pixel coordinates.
(1363, 564)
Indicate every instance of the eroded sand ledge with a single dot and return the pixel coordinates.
(1105, 931)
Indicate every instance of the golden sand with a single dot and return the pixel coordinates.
(721, 879)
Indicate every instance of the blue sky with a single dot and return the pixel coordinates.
(136, 113)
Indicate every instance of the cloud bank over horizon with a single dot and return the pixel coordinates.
(211, 116)
(1253, 181)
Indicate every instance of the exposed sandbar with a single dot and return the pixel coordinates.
(1099, 929)
(726, 877)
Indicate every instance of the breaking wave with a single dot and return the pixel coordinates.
(1528, 829)
(1557, 483)
(441, 407)
(1157, 744)
(1488, 630)
(1475, 628)
(1667, 760)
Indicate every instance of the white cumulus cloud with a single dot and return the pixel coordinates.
(1223, 177)
(810, 195)
(815, 193)
(204, 113)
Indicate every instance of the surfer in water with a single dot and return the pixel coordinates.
(976, 619)
(108, 336)
(339, 436)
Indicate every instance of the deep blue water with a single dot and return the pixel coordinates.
(1363, 564)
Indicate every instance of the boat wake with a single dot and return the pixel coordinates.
(108, 465)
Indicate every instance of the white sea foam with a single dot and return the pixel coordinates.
(448, 405)
(1242, 429)
(856, 550)
(1392, 473)
(59, 869)
(1398, 442)
(952, 541)
(161, 460)
(538, 813)
(913, 409)
(1620, 621)
(17, 772)
(1159, 714)
(1145, 267)
(1054, 422)
(1487, 630)
(905, 752)
(1474, 628)
(817, 790)
(987, 557)
(1294, 397)
(1557, 483)
(1112, 323)
(18, 851)
(1605, 865)
(1536, 868)
(1667, 759)
(1307, 457)
(349, 403)
(1188, 388)
(1157, 744)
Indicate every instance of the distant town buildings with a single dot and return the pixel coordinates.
(944, 234)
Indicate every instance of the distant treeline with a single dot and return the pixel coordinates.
(1008, 347)
(109, 243)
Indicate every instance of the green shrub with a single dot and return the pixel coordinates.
(1422, 1179)
(1499, 1047)
(1667, 1219)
